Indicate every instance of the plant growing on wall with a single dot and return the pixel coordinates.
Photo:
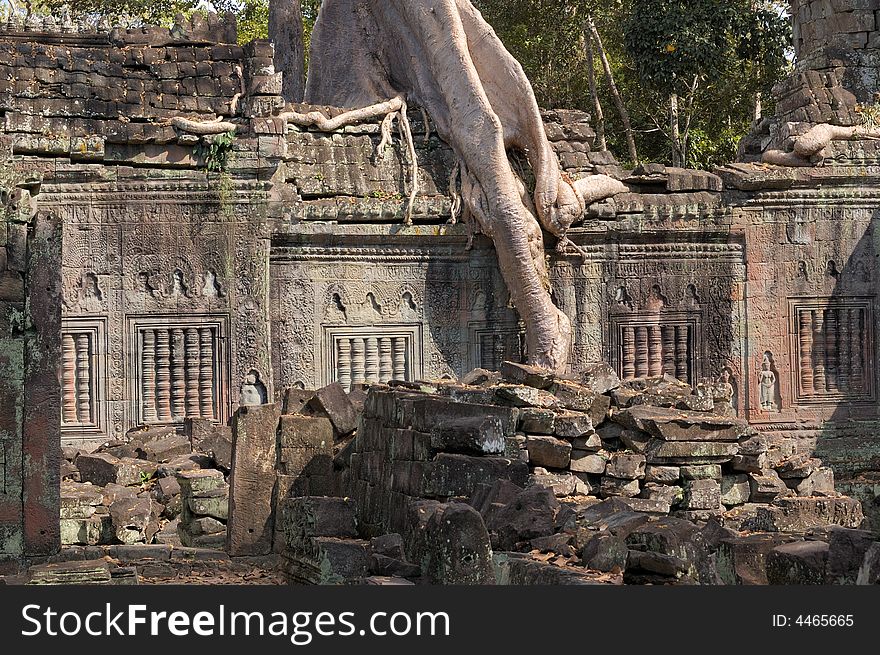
(215, 152)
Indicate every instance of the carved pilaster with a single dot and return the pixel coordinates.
(206, 373)
(148, 375)
(163, 376)
(343, 362)
(68, 370)
(193, 408)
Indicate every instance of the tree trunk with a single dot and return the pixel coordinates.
(618, 100)
(443, 56)
(675, 131)
(598, 114)
(286, 31)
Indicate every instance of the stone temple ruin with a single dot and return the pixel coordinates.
(238, 343)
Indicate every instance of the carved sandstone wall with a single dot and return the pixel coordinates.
(183, 288)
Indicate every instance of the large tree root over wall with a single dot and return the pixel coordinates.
(442, 55)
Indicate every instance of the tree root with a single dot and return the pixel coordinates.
(203, 128)
(808, 147)
(389, 110)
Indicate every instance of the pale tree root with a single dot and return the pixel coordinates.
(389, 110)
(808, 147)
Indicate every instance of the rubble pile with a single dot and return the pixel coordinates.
(549, 480)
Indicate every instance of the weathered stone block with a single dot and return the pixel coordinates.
(766, 486)
(562, 484)
(332, 402)
(664, 474)
(599, 377)
(742, 560)
(537, 421)
(457, 475)
(197, 483)
(211, 503)
(306, 432)
(572, 425)
(735, 489)
(474, 436)
(587, 462)
(701, 494)
(626, 466)
(252, 481)
(846, 553)
(611, 486)
(531, 376)
(703, 472)
(801, 514)
(548, 452)
(604, 552)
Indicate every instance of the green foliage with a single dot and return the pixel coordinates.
(735, 48)
(216, 152)
(148, 12)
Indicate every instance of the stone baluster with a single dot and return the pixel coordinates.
(83, 379)
(206, 373)
(805, 343)
(68, 375)
(831, 334)
(178, 375)
(668, 345)
(819, 380)
(398, 358)
(386, 365)
(628, 353)
(641, 351)
(191, 344)
(655, 351)
(357, 361)
(682, 353)
(857, 350)
(343, 362)
(371, 360)
(148, 376)
(844, 368)
(163, 376)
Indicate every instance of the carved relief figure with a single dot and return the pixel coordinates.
(253, 391)
(768, 385)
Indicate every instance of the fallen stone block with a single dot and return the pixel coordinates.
(869, 573)
(742, 560)
(798, 563)
(665, 565)
(164, 448)
(690, 453)
(604, 552)
(735, 489)
(78, 501)
(562, 484)
(703, 472)
(548, 452)
(332, 402)
(587, 462)
(678, 538)
(668, 424)
(452, 544)
(750, 463)
(591, 443)
(846, 553)
(611, 486)
(210, 503)
(522, 396)
(656, 506)
(135, 520)
(818, 483)
(799, 466)
(800, 514)
(599, 377)
(196, 483)
(530, 515)
(471, 436)
(701, 494)
(626, 466)
(662, 474)
(101, 469)
(766, 487)
(219, 447)
(668, 494)
(532, 376)
(537, 421)
(82, 531)
(89, 572)
(575, 396)
(252, 481)
(296, 401)
(457, 475)
(327, 561)
(183, 463)
(571, 425)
